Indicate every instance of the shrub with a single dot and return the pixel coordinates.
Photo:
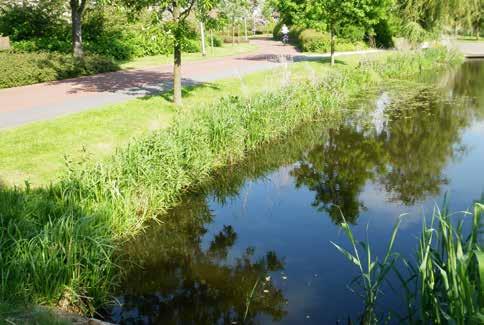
(107, 31)
(238, 40)
(51, 44)
(294, 33)
(384, 35)
(18, 69)
(276, 32)
(345, 45)
(217, 40)
(311, 40)
(353, 33)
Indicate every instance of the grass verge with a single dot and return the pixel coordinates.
(21, 149)
(59, 244)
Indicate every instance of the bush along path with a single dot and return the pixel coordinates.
(60, 245)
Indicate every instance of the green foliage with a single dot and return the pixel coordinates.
(447, 269)
(372, 272)
(107, 31)
(63, 242)
(383, 35)
(276, 32)
(311, 40)
(18, 69)
(30, 21)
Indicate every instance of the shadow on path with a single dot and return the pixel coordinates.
(133, 83)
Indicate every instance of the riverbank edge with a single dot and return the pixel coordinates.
(60, 243)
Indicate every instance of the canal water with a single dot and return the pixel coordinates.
(254, 244)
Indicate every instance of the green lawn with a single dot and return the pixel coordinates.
(226, 50)
(36, 152)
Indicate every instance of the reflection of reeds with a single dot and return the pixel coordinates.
(443, 286)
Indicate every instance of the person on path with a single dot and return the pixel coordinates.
(285, 32)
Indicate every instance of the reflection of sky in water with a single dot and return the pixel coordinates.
(272, 213)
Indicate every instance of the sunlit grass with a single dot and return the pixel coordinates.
(36, 152)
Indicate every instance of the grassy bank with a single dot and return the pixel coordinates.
(59, 243)
(49, 141)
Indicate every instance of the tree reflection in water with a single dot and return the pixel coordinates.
(176, 280)
(182, 283)
(421, 134)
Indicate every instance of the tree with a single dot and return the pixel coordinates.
(178, 10)
(77, 10)
(336, 13)
(204, 15)
(235, 10)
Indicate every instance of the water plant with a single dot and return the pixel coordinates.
(442, 285)
(372, 272)
(60, 245)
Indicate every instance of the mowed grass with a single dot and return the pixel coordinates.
(216, 52)
(37, 152)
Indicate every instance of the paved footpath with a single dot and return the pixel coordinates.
(471, 49)
(22, 105)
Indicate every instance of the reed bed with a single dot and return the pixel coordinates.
(441, 285)
(59, 245)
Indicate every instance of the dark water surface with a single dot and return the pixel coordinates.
(254, 245)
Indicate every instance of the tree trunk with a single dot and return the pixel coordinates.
(245, 28)
(202, 32)
(233, 32)
(332, 45)
(254, 26)
(177, 86)
(76, 16)
(211, 40)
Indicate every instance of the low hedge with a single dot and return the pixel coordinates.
(310, 40)
(19, 69)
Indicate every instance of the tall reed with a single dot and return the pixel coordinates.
(443, 285)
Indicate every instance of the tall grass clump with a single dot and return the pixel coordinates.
(442, 285)
(60, 244)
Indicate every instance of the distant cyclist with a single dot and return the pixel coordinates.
(285, 34)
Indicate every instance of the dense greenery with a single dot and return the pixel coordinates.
(107, 31)
(83, 218)
(378, 21)
(311, 40)
(18, 69)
